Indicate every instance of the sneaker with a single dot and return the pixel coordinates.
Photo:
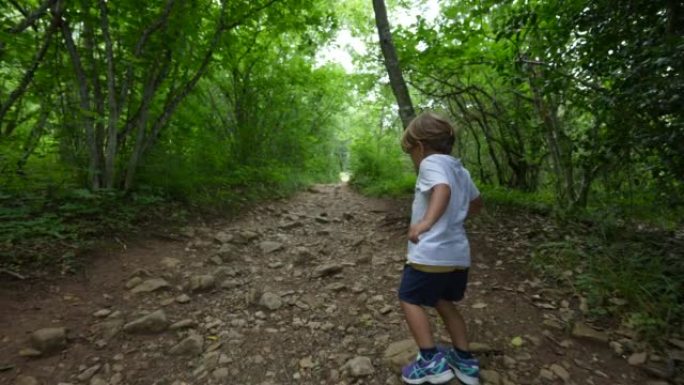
(467, 369)
(434, 371)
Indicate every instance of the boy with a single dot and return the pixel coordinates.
(436, 272)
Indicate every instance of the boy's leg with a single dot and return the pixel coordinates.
(419, 324)
(418, 288)
(455, 324)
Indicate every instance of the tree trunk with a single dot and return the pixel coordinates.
(85, 105)
(110, 151)
(560, 154)
(406, 111)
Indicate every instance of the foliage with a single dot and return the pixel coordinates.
(378, 168)
(559, 95)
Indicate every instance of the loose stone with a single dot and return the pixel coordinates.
(360, 366)
(190, 346)
(581, 330)
(150, 285)
(154, 322)
(49, 340)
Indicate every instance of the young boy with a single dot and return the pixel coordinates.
(436, 272)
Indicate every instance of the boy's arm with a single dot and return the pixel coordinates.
(439, 199)
(475, 206)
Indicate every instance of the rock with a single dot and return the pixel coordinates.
(116, 379)
(223, 237)
(268, 247)
(249, 235)
(400, 353)
(302, 255)
(582, 331)
(637, 359)
(327, 269)
(306, 363)
(676, 343)
(102, 313)
(478, 347)
(322, 220)
(227, 253)
(183, 298)
(509, 362)
(97, 380)
(490, 377)
(546, 374)
(202, 282)
(49, 340)
(224, 272)
(26, 380)
(560, 371)
(336, 286)
(189, 346)
(677, 355)
(88, 373)
(29, 352)
(271, 301)
(110, 328)
(220, 374)
(360, 366)
(133, 282)
(660, 370)
(183, 324)
(230, 283)
(154, 322)
(150, 285)
(170, 263)
(617, 347)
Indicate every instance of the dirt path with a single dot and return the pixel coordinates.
(293, 292)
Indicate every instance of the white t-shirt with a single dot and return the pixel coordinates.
(445, 244)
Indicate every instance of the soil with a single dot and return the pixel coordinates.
(320, 319)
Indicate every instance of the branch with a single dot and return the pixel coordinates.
(31, 17)
(30, 72)
(183, 91)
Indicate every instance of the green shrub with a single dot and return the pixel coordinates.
(635, 277)
(379, 167)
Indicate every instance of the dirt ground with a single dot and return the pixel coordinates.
(300, 291)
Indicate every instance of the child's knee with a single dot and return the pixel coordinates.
(446, 308)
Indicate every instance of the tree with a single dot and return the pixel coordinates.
(397, 83)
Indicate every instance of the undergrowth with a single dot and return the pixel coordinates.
(45, 231)
(635, 276)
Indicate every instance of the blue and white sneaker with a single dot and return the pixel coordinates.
(434, 371)
(467, 369)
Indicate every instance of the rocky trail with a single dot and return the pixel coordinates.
(300, 291)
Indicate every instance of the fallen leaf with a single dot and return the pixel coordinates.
(517, 341)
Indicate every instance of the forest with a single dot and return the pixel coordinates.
(116, 116)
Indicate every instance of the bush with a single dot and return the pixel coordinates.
(380, 168)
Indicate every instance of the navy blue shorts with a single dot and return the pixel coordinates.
(425, 289)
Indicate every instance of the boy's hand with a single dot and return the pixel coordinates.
(439, 199)
(416, 230)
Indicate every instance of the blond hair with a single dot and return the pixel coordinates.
(430, 129)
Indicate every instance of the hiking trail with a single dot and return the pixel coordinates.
(298, 291)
